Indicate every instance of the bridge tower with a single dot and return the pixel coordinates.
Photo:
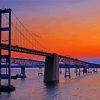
(6, 29)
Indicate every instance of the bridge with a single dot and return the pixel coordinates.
(15, 37)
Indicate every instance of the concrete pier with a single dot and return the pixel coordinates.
(78, 72)
(94, 70)
(23, 70)
(51, 74)
(23, 74)
(85, 71)
(40, 72)
(88, 70)
(67, 72)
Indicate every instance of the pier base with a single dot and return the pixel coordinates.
(51, 74)
(8, 88)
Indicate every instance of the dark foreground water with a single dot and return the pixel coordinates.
(33, 88)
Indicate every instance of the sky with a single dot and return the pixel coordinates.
(67, 27)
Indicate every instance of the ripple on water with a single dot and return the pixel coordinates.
(33, 88)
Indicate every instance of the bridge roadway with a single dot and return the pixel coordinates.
(27, 63)
(20, 62)
(42, 53)
(25, 50)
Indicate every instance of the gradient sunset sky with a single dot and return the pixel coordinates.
(68, 27)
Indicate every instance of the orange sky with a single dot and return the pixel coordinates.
(75, 35)
(67, 27)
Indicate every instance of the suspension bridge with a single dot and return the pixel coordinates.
(15, 37)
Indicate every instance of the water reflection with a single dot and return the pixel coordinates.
(5, 96)
(51, 92)
(33, 88)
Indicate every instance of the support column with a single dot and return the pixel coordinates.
(91, 70)
(60, 71)
(23, 72)
(67, 72)
(51, 74)
(96, 70)
(85, 71)
(78, 72)
(88, 71)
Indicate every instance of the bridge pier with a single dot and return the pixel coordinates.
(23, 72)
(91, 70)
(60, 71)
(22, 75)
(51, 73)
(40, 71)
(67, 72)
(94, 70)
(78, 72)
(86, 70)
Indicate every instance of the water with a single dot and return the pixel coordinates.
(33, 88)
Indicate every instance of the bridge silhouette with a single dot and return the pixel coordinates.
(15, 37)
